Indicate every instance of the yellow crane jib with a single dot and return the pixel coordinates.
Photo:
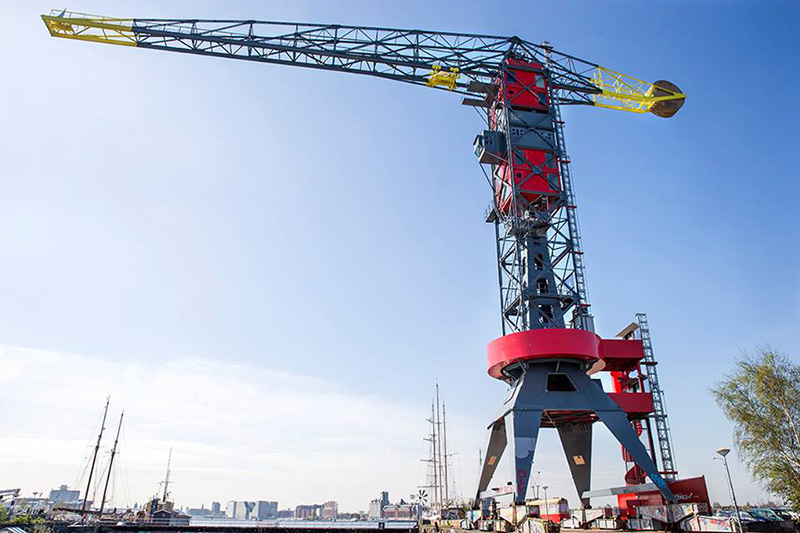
(626, 93)
(444, 78)
(84, 27)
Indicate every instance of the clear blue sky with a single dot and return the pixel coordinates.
(158, 207)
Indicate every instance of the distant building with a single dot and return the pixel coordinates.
(375, 509)
(398, 511)
(7, 496)
(30, 505)
(240, 510)
(308, 512)
(285, 513)
(201, 512)
(64, 495)
(263, 510)
(216, 509)
(170, 517)
(330, 510)
(376, 506)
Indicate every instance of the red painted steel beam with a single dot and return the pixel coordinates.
(608, 354)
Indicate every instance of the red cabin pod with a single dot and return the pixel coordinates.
(525, 86)
(535, 174)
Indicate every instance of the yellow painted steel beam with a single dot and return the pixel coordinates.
(444, 78)
(626, 93)
(90, 28)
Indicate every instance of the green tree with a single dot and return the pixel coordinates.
(3, 514)
(35, 524)
(762, 399)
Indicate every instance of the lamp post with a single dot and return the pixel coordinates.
(546, 506)
(723, 452)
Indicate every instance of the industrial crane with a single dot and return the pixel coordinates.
(548, 350)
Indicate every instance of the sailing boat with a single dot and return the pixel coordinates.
(85, 509)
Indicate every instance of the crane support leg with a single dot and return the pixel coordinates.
(620, 427)
(494, 451)
(576, 439)
(522, 426)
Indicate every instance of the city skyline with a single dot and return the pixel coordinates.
(241, 510)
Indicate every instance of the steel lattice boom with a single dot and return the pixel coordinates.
(439, 59)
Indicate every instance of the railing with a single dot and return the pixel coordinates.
(304, 524)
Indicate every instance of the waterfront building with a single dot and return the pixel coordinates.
(376, 506)
(64, 495)
(240, 510)
(400, 510)
(330, 510)
(308, 512)
(7, 496)
(263, 510)
(30, 505)
(216, 509)
(199, 513)
(170, 517)
(375, 509)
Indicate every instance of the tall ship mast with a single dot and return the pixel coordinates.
(438, 475)
(111, 465)
(94, 456)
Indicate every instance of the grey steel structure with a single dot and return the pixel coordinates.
(540, 269)
(540, 264)
(542, 285)
(559, 394)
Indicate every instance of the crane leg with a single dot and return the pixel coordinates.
(620, 427)
(617, 422)
(522, 426)
(576, 439)
(494, 451)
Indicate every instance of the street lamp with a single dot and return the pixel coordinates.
(723, 452)
(537, 480)
(546, 506)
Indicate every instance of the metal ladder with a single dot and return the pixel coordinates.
(669, 472)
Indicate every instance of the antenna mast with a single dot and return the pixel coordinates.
(94, 457)
(111, 465)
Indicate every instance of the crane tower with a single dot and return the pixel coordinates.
(548, 350)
